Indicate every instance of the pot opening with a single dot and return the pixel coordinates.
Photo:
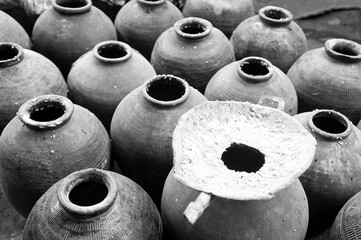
(88, 193)
(72, 3)
(47, 111)
(193, 28)
(255, 68)
(7, 52)
(345, 49)
(166, 89)
(243, 158)
(112, 51)
(275, 14)
(329, 123)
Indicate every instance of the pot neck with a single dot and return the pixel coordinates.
(166, 91)
(87, 193)
(151, 3)
(330, 125)
(255, 69)
(193, 28)
(343, 50)
(112, 52)
(46, 112)
(275, 16)
(10, 54)
(71, 7)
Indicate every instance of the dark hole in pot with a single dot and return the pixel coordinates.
(255, 68)
(88, 193)
(45, 112)
(329, 123)
(275, 14)
(166, 89)
(72, 3)
(345, 49)
(193, 28)
(243, 158)
(112, 51)
(8, 52)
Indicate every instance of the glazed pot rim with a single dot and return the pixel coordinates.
(78, 177)
(272, 21)
(204, 133)
(112, 43)
(25, 110)
(14, 60)
(255, 78)
(71, 10)
(161, 103)
(203, 23)
(352, 46)
(335, 115)
(152, 2)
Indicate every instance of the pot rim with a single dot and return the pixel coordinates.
(255, 78)
(152, 2)
(350, 46)
(109, 44)
(16, 58)
(200, 22)
(286, 20)
(71, 10)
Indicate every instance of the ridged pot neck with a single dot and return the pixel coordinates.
(10, 54)
(151, 3)
(255, 69)
(87, 193)
(275, 16)
(71, 6)
(330, 124)
(343, 50)
(112, 51)
(193, 28)
(166, 90)
(46, 112)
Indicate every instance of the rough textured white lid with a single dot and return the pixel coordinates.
(204, 133)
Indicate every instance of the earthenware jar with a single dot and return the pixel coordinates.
(12, 31)
(329, 77)
(48, 139)
(69, 29)
(142, 128)
(94, 204)
(248, 80)
(194, 50)
(25, 74)
(333, 178)
(139, 23)
(271, 34)
(102, 77)
(235, 174)
(225, 15)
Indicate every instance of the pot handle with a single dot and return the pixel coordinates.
(195, 209)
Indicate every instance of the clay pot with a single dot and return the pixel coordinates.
(12, 31)
(139, 23)
(328, 78)
(48, 139)
(102, 77)
(248, 80)
(142, 128)
(333, 177)
(272, 34)
(225, 15)
(235, 174)
(194, 50)
(94, 204)
(69, 29)
(25, 74)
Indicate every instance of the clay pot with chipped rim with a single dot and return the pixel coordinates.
(333, 177)
(48, 139)
(329, 78)
(142, 128)
(25, 74)
(225, 15)
(235, 175)
(249, 80)
(272, 34)
(139, 23)
(94, 204)
(68, 29)
(193, 50)
(102, 77)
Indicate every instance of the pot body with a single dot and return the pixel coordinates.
(50, 220)
(224, 15)
(33, 159)
(63, 34)
(139, 23)
(283, 217)
(99, 83)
